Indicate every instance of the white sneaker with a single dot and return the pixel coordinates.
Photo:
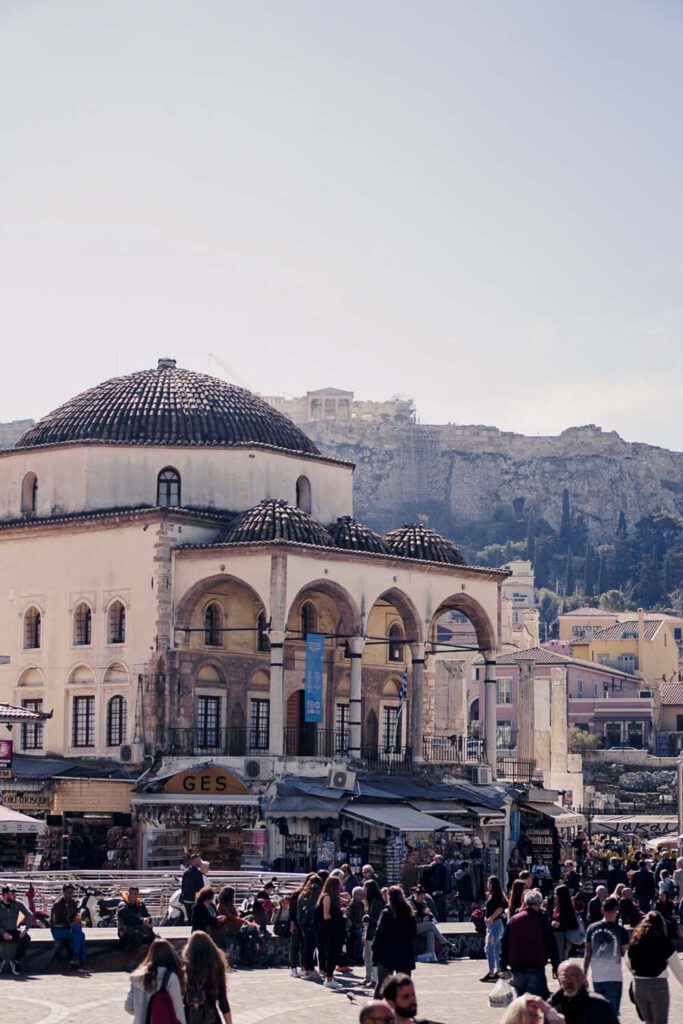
(331, 983)
(294, 973)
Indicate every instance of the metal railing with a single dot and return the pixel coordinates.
(514, 769)
(230, 742)
(389, 760)
(452, 750)
(310, 741)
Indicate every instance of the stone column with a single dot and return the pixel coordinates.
(356, 645)
(490, 705)
(417, 704)
(277, 686)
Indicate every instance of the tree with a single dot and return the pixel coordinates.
(565, 523)
(621, 525)
(531, 536)
(548, 607)
(579, 534)
(569, 578)
(579, 741)
(589, 572)
(648, 582)
(605, 556)
(612, 601)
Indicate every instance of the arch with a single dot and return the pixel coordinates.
(82, 625)
(349, 614)
(117, 721)
(396, 643)
(471, 609)
(391, 689)
(372, 730)
(82, 675)
(260, 680)
(31, 676)
(473, 711)
(213, 625)
(33, 628)
(29, 493)
(116, 674)
(343, 687)
(308, 619)
(304, 499)
(168, 488)
(190, 599)
(209, 675)
(412, 623)
(116, 622)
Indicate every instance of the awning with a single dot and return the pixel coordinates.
(646, 825)
(399, 817)
(561, 817)
(139, 799)
(439, 806)
(16, 822)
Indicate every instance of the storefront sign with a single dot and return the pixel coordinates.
(5, 759)
(313, 680)
(26, 796)
(212, 780)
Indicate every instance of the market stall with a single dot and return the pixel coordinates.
(19, 838)
(543, 826)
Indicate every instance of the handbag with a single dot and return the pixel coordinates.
(501, 994)
(577, 935)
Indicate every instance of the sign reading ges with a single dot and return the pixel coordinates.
(209, 780)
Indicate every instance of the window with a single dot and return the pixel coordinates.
(213, 622)
(116, 623)
(32, 628)
(628, 662)
(262, 639)
(580, 687)
(505, 691)
(168, 488)
(303, 494)
(82, 625)
(634, 734)
(29, 493)
(208, 721)
(678, 634)
(504, 735)
(32, 732)
(259, 724)
(395, 642)
(613, 734)
(341, 729)
(308, 619)
(83, 725)
(391, 732)
(679, 723)
(117, 714)
(595, 689)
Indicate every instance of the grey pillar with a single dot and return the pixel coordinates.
(277, 686)
(490, 704)
(356, 645)
(417, 704)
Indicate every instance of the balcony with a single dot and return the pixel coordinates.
(387, 761)
(452, 750)
(310, 741)
(232, 742)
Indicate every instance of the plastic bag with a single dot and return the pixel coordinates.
(501, 994)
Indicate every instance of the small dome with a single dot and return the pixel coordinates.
(168, 406)
(351, 535)
(274, 519)
(413, 540)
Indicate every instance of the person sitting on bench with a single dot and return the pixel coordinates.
(65, 924)
(133, 920)
(11, 909)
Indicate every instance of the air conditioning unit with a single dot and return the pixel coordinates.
(132, 753)
(252, 769)
(482, 775)
(340, 778)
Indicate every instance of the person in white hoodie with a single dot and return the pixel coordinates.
(161, 965)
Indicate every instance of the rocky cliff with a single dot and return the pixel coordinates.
(11, 432)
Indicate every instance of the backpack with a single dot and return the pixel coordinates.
(160, 1006)
(200, 1010)
(478, 919)
(305, 910)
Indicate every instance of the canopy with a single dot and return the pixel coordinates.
(399, 817)
(646, 825)
(15, 822)
(561, 817)
(662, 842)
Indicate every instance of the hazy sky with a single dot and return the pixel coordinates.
(475, 202)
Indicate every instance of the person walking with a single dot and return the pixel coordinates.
(306, 919)
(595, 904)
(615, 875)
(332, 926)
(464, 892)
(496, 906)
(374, 905)
(606, 943)
(644, 886)
(393, 949)
(568, 926)
(650, 956)
(516, 897)
(573, 1000)
(435, 881)
(527, 945)
(161, 970)
(206, 993)
(294, 933)
(190, 884)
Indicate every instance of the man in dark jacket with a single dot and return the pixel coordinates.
(191, 882)
(464, 891)
(528, 943)
(595, 905)
(65, 923)
(133, 920)
(615, 875)
(10, 910)
(644, 887)
(575, 1002)
(435, 880)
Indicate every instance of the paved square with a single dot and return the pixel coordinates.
(450, 994)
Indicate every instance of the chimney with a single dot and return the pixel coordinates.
(166, 364)
(641, 625)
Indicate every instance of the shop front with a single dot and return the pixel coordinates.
(207, 808)
(90, 826)
(544, 829)
(20, 838)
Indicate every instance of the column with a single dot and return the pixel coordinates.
(277, 686)
(490, 704)
(417, 705)
(356, 645)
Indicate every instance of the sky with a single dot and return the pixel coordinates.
(475, 202)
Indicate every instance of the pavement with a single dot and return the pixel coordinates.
(451, 994)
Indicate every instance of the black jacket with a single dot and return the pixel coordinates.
(643, 884)
(615, 876)
(63, 913)
(204, 917)
(192, 882)
(374, 914)
(594, 910)
(584, 1008)
(393, 945)
(130, 915)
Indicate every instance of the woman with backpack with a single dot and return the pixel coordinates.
(393, 949)
(306, 903)
(374, 905)
(206, 994)
(332, 926)
(159, 981)
(568, 926)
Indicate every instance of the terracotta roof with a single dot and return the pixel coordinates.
(349, 534)
(616, 632)
(11, 713)
(413, 540)
(274, 519)
(543, 656)
(168, 406)
(671, 693)
(583, 612)
(127, 511)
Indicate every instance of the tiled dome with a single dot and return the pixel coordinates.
(168, 406)
(351, 535)
(413, 540)
(274, 519)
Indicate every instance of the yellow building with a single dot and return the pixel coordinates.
(643, 646)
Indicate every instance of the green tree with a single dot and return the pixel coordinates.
(621, 524)
(569, 578)
(565, 523)
(612, 601)
(579, 741)
(589, 572)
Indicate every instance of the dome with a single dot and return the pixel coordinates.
(351, 535)
(168, 406)
(274, 519)
(413, 540)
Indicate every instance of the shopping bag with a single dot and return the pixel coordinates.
(501, 994)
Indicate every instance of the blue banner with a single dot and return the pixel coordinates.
(313, 680)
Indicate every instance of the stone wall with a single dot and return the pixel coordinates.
(11, 432)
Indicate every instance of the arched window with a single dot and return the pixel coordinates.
(308, 619)
(213, 622)
(262, 639)
(117, 715)
(116, 623)
(82, 625)
(303, 494)
(168, 488)
(395, 642)
(29, 493)
(32, 628)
